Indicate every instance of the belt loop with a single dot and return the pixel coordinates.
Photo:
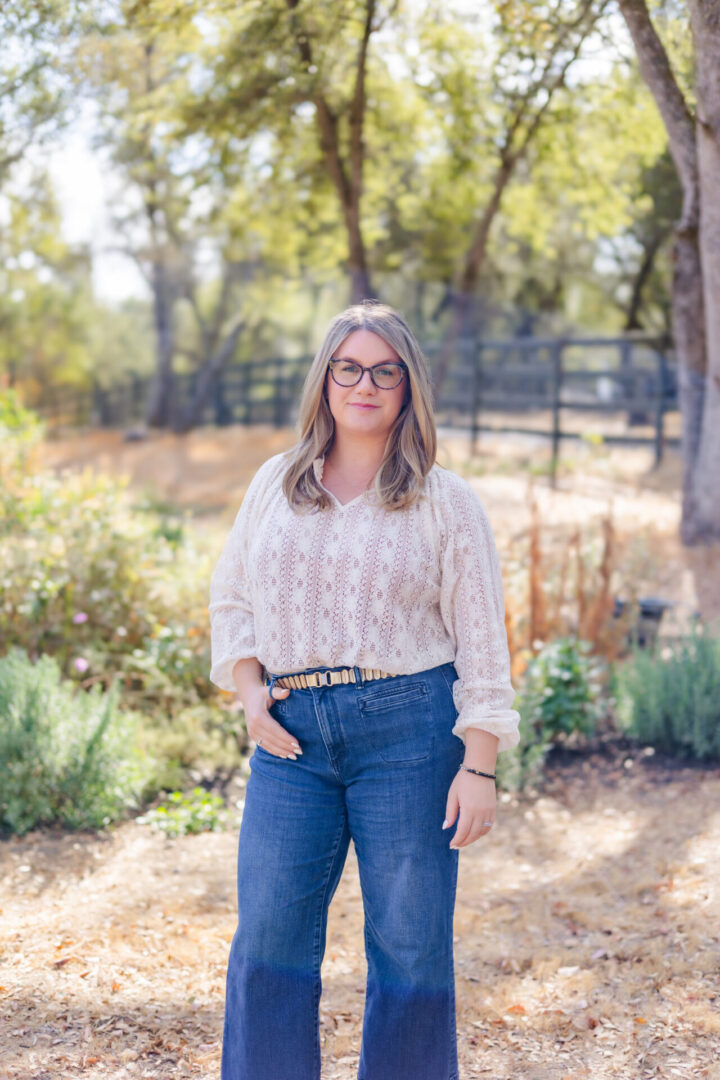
(358, 674)
(273, 680)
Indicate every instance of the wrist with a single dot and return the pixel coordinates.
(481, 773)
(480, 750)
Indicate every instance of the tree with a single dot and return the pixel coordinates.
(537, 44)
(32, 36)
(283, 55)
(45, 294)
(694, 137)
(139, 68)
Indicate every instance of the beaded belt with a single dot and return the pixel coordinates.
(305, 679)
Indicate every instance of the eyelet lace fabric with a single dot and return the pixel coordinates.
(356, 584)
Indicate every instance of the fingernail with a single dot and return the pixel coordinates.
(293, 756)
(296, 747)
(445, 823)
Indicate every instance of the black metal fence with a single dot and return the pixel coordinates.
(557, 387)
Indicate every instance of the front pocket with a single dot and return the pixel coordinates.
(398, 723)
(392, 697)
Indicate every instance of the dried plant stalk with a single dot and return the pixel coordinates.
(537, 604)
(594, 628)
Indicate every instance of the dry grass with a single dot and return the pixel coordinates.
(587, 941)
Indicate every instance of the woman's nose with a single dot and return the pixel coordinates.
(369, 384)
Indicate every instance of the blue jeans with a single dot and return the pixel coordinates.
(378, 759)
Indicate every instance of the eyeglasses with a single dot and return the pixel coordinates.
(384, 376)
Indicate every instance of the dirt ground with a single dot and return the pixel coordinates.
(587, 940)
(587, 923)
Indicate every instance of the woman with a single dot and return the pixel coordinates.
(357, 609)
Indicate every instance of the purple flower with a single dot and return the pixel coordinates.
(81, 663)
(80, 616)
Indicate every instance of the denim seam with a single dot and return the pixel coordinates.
(316, 944)
(331, 758)
(452, 1024)
(447, 681)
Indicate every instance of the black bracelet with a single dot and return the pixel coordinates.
(489, 776)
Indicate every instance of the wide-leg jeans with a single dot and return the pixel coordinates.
(378, 760)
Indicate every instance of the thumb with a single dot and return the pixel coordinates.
(451, 808)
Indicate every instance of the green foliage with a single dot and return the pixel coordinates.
(46, 301)
(181, 814)
(115, 589)
(65, 755)
(20, 432)
(211, 116)
(671, 699)
(560, 702)
(104, 585)
(561, 690)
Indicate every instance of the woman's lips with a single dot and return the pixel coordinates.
(357, 405)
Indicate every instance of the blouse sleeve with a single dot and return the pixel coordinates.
(232, 624)
(473, 609)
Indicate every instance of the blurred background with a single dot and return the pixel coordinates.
(189, 191)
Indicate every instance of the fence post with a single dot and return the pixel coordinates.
(137, 397)
(476, 396)
(557, 365)
(660, 410)
(248, 372)
(279, 396)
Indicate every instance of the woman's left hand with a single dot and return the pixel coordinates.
(474, 797)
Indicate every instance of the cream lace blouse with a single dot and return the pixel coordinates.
(400, 590)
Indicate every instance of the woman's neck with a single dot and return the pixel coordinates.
(355, 457)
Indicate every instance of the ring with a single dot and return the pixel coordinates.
(487, 824)
(259, 742)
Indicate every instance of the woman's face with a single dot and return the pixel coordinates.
(364, 408)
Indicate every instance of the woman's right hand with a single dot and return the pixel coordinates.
(262, 728)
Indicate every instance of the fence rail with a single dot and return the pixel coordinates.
(527, 384)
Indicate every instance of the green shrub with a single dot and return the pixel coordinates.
(671, 699)
(106, 587)
(114, 586)
(66, 756)
(20, 432)
(561, 690)
(180, 814)
(560, 701)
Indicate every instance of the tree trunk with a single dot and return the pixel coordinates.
(705, 21)
(207, 376)
(689, 336)
(346, 175)
(160, 407)
(692, 301)
(651, 249)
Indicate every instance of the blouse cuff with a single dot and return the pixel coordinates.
(221, 672)
(501, 722)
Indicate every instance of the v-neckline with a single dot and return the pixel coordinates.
(318, 465)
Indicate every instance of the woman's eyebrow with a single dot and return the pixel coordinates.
(354, 361)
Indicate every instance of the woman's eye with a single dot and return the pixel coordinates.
(385, 372)
(350, 368)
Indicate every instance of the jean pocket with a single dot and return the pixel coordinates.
(397, 721)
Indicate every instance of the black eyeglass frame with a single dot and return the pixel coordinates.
(390, 363)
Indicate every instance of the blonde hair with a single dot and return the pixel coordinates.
(412, 441)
